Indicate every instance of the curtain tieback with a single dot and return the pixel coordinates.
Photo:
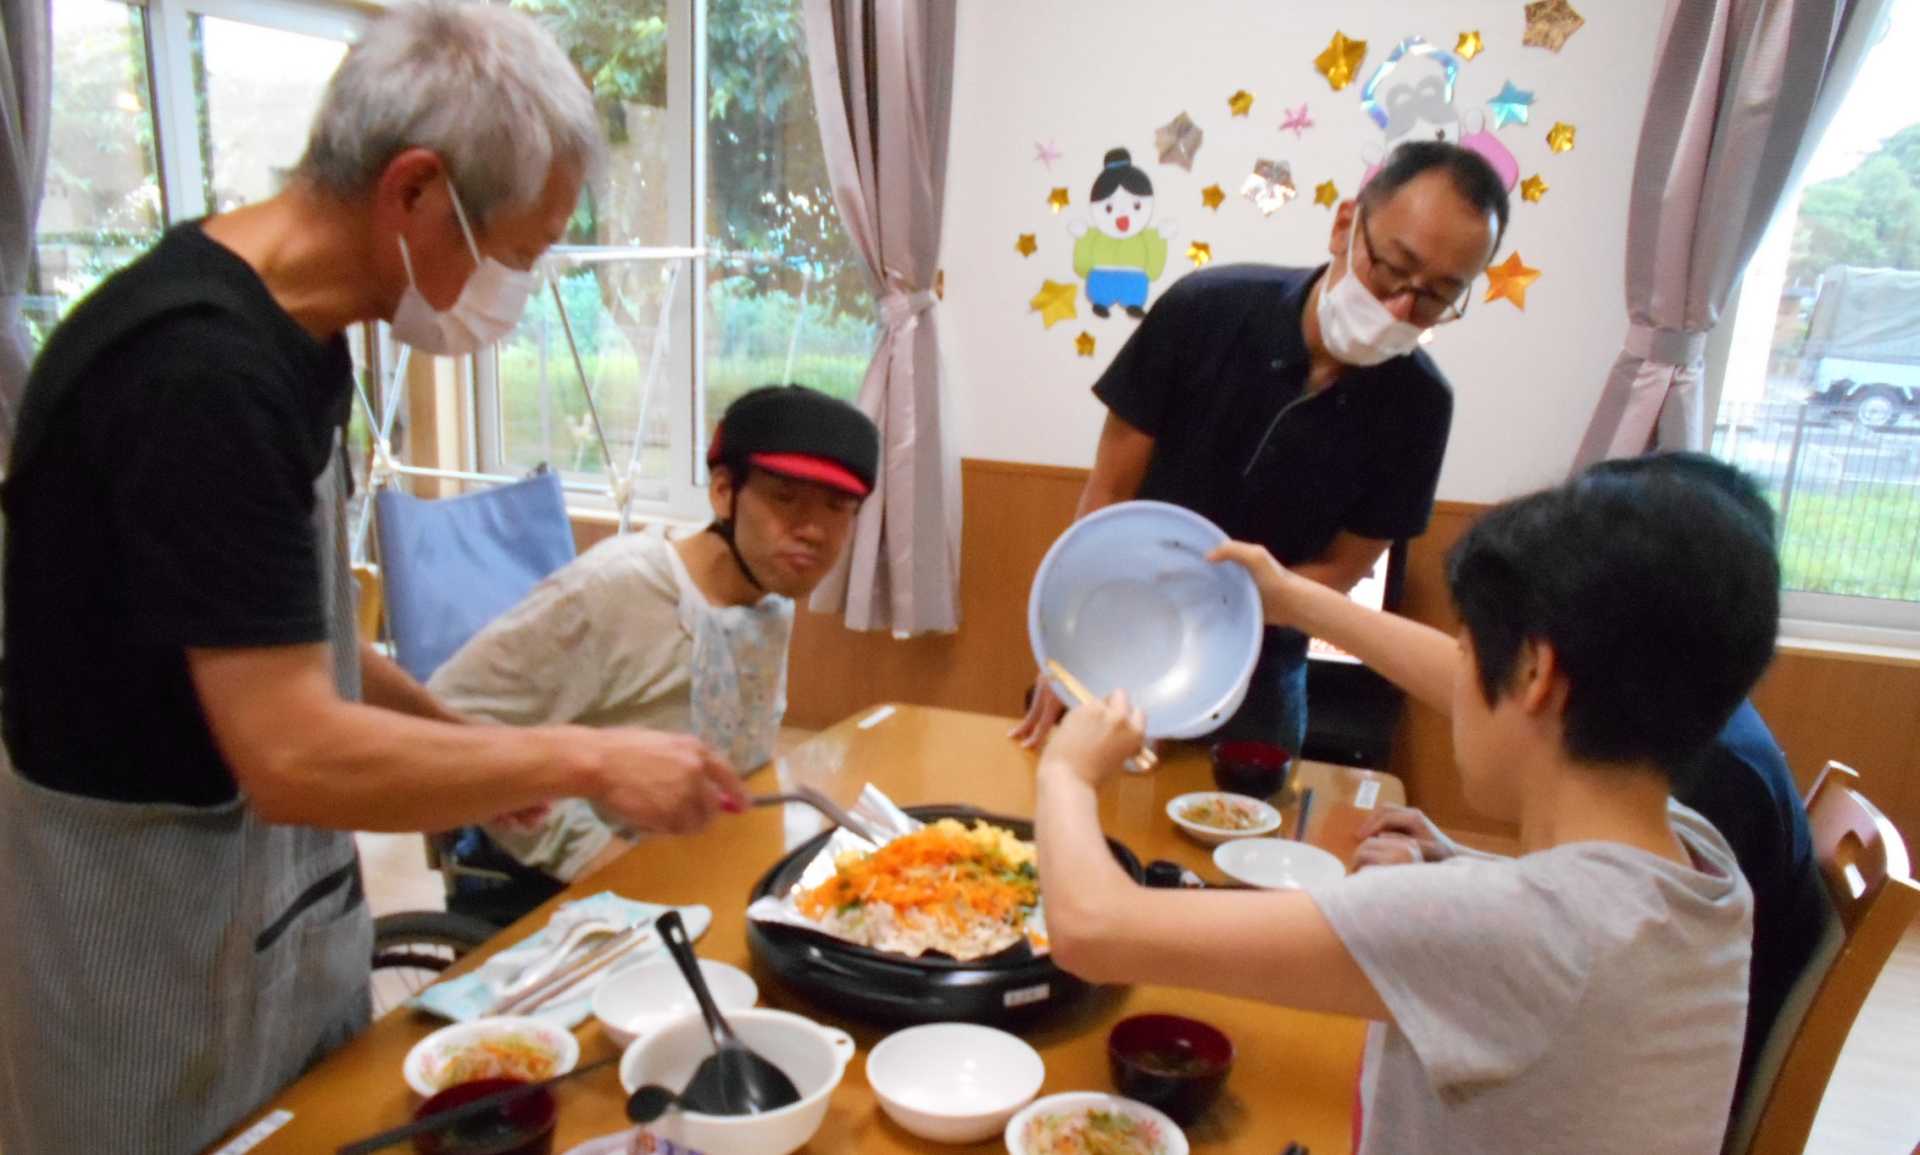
(901, 307)
(1680, 347)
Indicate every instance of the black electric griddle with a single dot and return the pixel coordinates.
(1009, 989)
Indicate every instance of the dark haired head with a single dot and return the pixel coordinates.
(1472, 177)
(1703, 469)
(1658, 595)
(1119, 173)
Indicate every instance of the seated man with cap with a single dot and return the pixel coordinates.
(686, 634)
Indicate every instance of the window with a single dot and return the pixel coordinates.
(164, 111)
(712, 259)
(101, 204)
(168, 110)
(787, 298)
(1820, 381)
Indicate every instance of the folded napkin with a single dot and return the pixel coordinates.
(469, 996)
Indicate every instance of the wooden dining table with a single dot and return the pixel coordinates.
(1293, 1074)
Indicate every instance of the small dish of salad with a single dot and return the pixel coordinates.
(502, 1047)
(1211, 817)
(1093, 1123)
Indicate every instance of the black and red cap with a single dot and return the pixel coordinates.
(801, 433)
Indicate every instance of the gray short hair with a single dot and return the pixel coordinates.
(483, 86)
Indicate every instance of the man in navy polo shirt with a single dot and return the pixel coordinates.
(1292, 407)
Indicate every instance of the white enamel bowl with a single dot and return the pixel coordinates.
(633, 1002)
(954, 1082)
(1277, 863)
(813, 1056)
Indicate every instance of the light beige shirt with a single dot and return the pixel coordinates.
(606, 640)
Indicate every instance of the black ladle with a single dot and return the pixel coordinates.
(733, 1080)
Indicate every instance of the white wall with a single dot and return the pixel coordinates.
(1090, 76)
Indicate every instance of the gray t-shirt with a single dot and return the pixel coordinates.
(1586, 998)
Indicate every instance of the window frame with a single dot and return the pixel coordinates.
(176, 128)
(682, 497)
(1805, 616)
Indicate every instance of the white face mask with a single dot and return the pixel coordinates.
(488, 308)
(1357, 328)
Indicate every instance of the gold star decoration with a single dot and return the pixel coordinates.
(1200, 253)
(1026, 245)
(1240, 103)
(1340, 60)
(1469, 45)
(1560, 137)
(1213, 196)
(1326, 193)
(1509, 279)
(1549, 23)
(1083, 344)
(1054, 302)
(1533, 188)
(1057, 199)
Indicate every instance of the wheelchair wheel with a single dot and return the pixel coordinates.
(412, 948)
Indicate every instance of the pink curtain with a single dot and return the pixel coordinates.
(882, 85)
(1741, 92)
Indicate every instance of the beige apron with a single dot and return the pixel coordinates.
(166, 969)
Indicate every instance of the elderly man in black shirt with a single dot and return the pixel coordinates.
(192, 728)
(1292, 407)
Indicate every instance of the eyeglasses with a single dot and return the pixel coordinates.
(1388, 280)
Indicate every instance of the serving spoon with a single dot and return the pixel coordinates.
(733, 1080)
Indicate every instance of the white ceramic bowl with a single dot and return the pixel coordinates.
(1268, 819)
(425, 1066)
(813, 1056)
(1173, 1141)
(954, 1082)
(1277, 863)
(1126, 600)
(636, 1001)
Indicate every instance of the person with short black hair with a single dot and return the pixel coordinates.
(1611, 626)
(1741, 782)
(686, 635)
(1293, 407)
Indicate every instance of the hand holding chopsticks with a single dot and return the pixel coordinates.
(1146, 759)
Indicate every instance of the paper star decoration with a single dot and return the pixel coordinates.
(1200, 253)
(1240, 103)
(1469, 45)
(1177, 140)
(1054, 302)
(1026, 245)
(1509, 279)
(1269, 186)
(1512, 106)
(1297, 121)
(1340, 60)
(1083, 344)
(1560, 137)
(1046, 154)
(1213, 196)
(1057, 199)
(1326, 193)
(1549, 23)
(1533, 188)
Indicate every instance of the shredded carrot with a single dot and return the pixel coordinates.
(944, 871)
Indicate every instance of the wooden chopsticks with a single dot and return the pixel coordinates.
(1146, 759)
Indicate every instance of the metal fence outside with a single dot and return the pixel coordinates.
(1848, 496)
